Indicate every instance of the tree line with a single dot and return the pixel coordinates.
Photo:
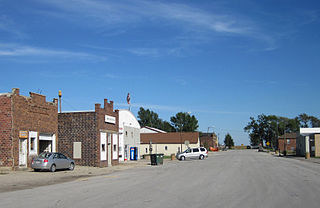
(181, 122)
(267, 128)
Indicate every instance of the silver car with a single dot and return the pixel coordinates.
(52, 161)
(193, 153)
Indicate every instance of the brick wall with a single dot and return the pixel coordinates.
(27, 114)
(209, 141)
(85, 127)
(101, 124)
(5, 131)
(79, 127)
(290, 147)
(32, 114)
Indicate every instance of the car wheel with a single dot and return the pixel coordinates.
(201, 157)
(53, 168)
(182, 158)
(71, 167)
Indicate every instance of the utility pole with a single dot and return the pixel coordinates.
(60, 94)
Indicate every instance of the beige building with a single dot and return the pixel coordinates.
(308, 143)
(168, 143)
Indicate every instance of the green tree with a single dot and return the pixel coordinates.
(304, 120)
(166, 126)
(315, 122)
(253, 129)
(150, 118)
(269, 128)
(307, 121)
(184, 122)
(228, 141)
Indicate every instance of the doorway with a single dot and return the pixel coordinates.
(23, 152)
(109, 150)
(46, 143)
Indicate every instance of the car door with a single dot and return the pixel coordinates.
(188, 154)
(64, 161)
(195, 153)
(57, 161)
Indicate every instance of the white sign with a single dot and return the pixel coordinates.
(110, 119)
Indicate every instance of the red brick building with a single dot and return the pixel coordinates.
(288, 142)
(28, 126)
(208, 140)
(90, 137)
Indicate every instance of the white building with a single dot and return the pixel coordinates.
(129, 136)
(308, 143)
(168, 143)
(150, 130)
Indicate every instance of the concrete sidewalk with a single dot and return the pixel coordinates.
(312, 159)
(300, 158)
(27, 179)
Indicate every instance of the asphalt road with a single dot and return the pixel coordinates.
(243, 178)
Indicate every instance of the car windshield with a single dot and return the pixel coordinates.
(187, 151)
(45, 155)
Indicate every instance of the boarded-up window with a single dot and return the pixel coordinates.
(76, 150)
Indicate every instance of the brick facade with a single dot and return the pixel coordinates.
(5, 131)
(86, 127)
(27, 114)
(288, 142)
(208, 140)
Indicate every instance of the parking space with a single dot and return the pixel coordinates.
(27, 179)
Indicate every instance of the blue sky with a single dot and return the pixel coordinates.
(223, 61)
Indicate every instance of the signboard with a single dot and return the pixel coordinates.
(23, 134)
(110, 119)
(268, 143)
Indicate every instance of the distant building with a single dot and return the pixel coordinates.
(28, 126)
(287, 142)
(208, 140)
(168, 143)
(150, 130)
(90, 137)
(309, 141)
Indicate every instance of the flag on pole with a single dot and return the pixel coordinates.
(128, 98)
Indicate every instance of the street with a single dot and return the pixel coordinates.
(243, 178)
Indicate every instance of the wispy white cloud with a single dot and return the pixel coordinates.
(13, 50)
(265, 82)
(115, 15)
(181, 82)
(180, 109)
(151, 106)
(114, 12)
(8, 25)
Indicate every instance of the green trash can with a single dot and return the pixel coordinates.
(156, 159)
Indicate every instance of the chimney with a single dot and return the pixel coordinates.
(97, 106)
(111, 103)
(15, 91)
